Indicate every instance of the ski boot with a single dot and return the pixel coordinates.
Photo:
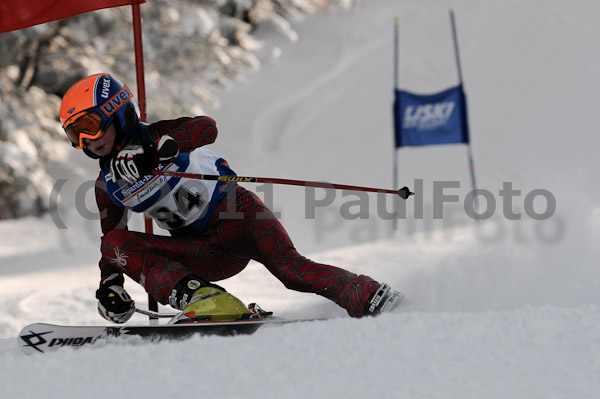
(383, 300)
(207, 302)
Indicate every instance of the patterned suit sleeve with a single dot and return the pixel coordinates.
(190, 133)
(112, 217)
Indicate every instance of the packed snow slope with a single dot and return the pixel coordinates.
(495, 309)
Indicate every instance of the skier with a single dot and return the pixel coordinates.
(216, 227)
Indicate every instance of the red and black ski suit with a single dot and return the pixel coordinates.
(224, 247)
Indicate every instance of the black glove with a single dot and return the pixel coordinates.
(134, 161)
(114, 303)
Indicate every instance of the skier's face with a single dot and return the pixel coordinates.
(104, 145)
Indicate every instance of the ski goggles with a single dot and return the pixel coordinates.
(91, 125)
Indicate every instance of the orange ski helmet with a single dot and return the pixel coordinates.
(91, 104)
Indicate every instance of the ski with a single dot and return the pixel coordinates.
(43, 338)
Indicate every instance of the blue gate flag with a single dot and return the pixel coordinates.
(439, 118)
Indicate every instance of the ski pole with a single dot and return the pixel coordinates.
(404, 192)
(154, 314)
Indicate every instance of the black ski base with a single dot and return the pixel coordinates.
(42, 338)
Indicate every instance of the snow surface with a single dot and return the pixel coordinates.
(495, 309)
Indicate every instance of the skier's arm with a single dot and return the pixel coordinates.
(114, 304)
(112, 217)
(190, 133)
